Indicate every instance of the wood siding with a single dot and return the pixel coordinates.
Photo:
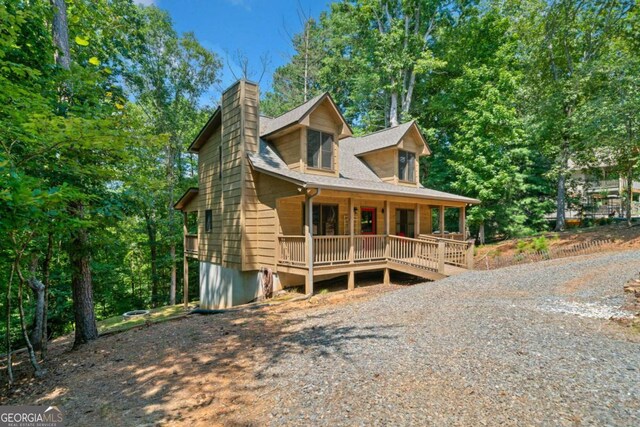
(410, 143)
(323, 118)
(384, 163)
(237, 134)
(262, 225)
(210, 197)
(289, 147)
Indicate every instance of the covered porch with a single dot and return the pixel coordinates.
(327, 233)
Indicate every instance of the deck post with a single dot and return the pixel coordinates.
(386, 228)
(351, 227)
(308, 237)
(441, 253)
(185, 268)
(387, 278)
(351, 282)
(185, 284)
(470, 254)
(463, 222)
(441, 218)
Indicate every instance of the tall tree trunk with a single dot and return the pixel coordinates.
(23, 324)
(81, 284)
(7, 340)
(629, 191)
(37, 287)
(306, 60)
(563, 166)
(560, 201)
(153, 253)
(46, 275)
(61, 33)
(78, 248)
(174, 278)
(408, 96)
(171, 178)
(393, 110)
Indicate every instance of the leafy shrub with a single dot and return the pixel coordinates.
(537, 244)
(540, 244)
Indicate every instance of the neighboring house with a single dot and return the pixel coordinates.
(600, 192)
(275, 193)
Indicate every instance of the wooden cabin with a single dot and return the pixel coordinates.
(300, 195)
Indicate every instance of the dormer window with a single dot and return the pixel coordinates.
(406, 166)
(319, 149)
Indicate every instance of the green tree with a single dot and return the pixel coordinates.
(608, 121)
(380, 50)
(561, 41)
(168, 77)
(299, 80)
(479, 132)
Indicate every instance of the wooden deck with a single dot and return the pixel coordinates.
(430, 257)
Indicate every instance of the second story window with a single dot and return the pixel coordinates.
(319, 149)
(406, 166)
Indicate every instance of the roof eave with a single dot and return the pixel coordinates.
(308, 184)
(198, 141)
(186, 198)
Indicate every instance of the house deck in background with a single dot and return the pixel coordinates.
(600, 192)
(300, 195)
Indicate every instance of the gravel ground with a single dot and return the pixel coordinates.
(524, 345)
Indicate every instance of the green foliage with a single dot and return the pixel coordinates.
(537, 244)
(506, 92)
(109, 132)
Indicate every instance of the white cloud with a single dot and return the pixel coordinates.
(145, 2)
(241, 3)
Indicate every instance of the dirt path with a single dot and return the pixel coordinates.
(527, 345)
(197, 371)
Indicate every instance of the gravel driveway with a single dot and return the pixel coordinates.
(525, 345)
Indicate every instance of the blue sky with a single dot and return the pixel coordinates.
(255, 27)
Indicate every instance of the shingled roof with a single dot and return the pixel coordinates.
(353, 176)
(292, 116)
(296, 115)
(378, 140)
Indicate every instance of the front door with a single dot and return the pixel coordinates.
(368, 221)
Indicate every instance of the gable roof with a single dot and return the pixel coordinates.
(295, 116)
(264, 122)
(184, 200)
(382, 139)
(207, 130)
(352, 177)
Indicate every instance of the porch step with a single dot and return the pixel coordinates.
(415, 270)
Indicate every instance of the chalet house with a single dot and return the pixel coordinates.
(301, 196)
(599, 191)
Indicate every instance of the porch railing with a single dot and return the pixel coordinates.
(291, 251)
(369, 247)
(416, 252)
(455, 253)
(451, 236)
(331, 249)
(428, 252)
(191, 244)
